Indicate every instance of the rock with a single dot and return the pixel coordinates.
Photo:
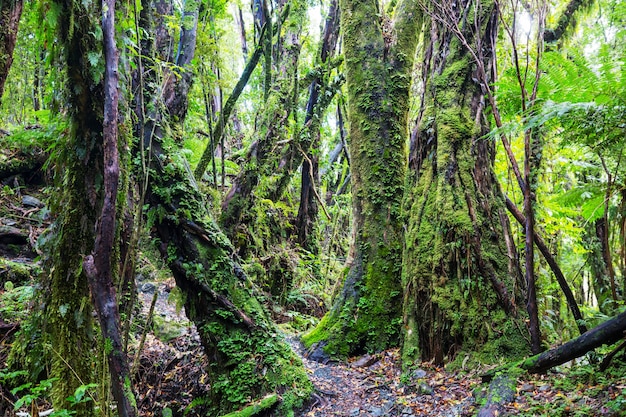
(407, 412)
(148, 288)
(42, 215)
(527, 388)
(364, 361)
(322, 372)
(419, 373)
(377, 412)
(10, 235)
(316, 353)
(355, 412)
(544, 388)
(30, 201)
(424, 389)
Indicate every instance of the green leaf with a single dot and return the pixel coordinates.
(94, 58)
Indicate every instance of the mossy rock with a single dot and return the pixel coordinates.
(16, 272)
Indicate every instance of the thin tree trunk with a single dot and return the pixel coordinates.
(307, 210)
(98, 266)
(10, 13)
(529, 253)
(543, 248)
(218, 130)
(597, 266)
(271, 129)
(242, 32)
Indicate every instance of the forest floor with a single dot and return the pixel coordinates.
(171, 369)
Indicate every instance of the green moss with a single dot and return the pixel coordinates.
(249, 359)
(252, 410)
(454, 240)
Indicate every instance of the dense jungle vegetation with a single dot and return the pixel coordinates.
(431, 191)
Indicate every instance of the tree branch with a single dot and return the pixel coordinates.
(543, 248)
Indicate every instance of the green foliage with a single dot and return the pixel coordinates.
(30, 393)
(15, 302)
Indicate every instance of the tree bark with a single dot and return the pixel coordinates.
(367, 315)
(248, 357)
(459, 276)
(597, 266)
(218, 130)
(10, 13)
(566, 21)
(262, 159)
(98, 265)
(69, 312)
(307, 209)
(529, 248)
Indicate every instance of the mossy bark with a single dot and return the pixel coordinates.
(367, 314)
(248, 358)
(600, 276)
(10, 13)
(247, 355)
(459, 275)
(69, 310)
(273, 124)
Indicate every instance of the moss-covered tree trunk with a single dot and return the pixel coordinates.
(10, 13)
(460, 272)
(273, 125)
(378, 62)
(248, 358)
(69, 310)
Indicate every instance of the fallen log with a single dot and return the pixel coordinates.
(607, 333)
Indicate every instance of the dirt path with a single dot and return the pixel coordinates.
(371, 386)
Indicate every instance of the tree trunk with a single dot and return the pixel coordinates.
(460, 277)
(378, 59)
(69, 311)
(556, 270)
(218, 130)
(262, 159)
(98, 265)
(601, 283)
(10, 13)
(529, 248)
(247, 356)
(307, 210)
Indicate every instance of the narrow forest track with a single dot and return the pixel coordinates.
(373, 386)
